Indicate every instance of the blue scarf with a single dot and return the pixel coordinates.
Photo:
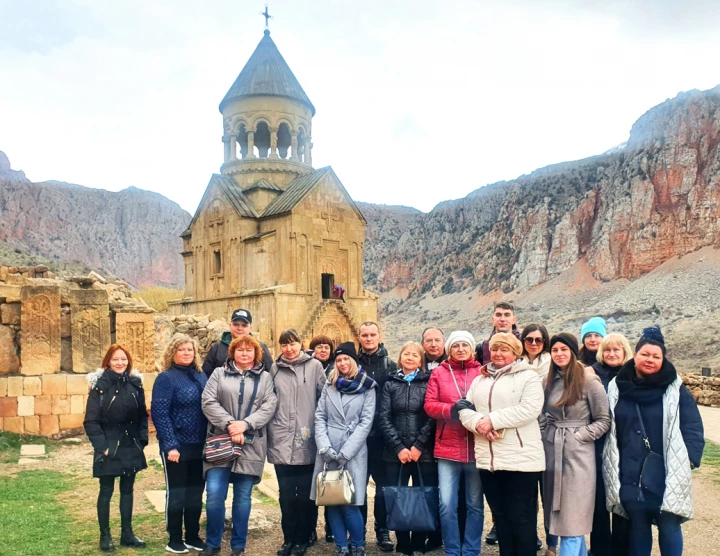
(358, 385)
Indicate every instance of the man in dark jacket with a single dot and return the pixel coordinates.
(433, 343)
(240, 325)
(503, 320)
(376, 362)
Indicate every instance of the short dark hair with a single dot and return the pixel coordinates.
(534, 327)
(504, 305)
(321, 339)
(370, 323)
(289, 336)
(428, 329)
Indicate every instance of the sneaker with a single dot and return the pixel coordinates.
(313, 539)
(299, 550)
(238, 552)
(329, 537)
(210, 551)
(341, 551)
(196, 544)
(285, 549)
(359, 550)
(176, 547)
(539, 545)
(492, 536)
(383, 541)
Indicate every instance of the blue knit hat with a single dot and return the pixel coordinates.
(652, 335)
(595, 324)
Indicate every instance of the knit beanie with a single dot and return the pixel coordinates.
(508, 340)
(565, 338)
(595, 324)
(347, 348)
(459, 336)
(653, 336)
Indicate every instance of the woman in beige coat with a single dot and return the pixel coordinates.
(502, 409)
(576, 414)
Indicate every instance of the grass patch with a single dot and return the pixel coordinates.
(10, 445)
(711, 459)
(157, 297)
(263, 498)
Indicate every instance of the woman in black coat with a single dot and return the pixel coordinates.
(408, 432)
(116, 422)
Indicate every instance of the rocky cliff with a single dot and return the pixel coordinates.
(623, 213)
(133, 234)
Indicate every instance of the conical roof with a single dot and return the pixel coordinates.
(266, 73)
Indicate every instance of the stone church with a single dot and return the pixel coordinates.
(273, 234)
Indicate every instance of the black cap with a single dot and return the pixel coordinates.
(347, 348)
(565, 338)
(243, 315)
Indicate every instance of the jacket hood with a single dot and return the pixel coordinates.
(381, 352)
(226, 338)
(451, 364)
(93, 377)
(230, 368)
(519, 365)
(302, 358)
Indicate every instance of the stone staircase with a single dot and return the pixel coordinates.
(307, 330)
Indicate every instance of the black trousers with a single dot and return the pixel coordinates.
(620, 537)
(299, 513)
(183, 503)
(600, 537)
(376, 470)
(409, 542)
(107, 486)
(513, 499)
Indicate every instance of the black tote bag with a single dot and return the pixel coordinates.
(412, 508)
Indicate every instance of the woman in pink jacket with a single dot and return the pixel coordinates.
(455, 445)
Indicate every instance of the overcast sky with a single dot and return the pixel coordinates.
(417, 101)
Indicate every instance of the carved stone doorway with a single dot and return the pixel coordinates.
(328, 283)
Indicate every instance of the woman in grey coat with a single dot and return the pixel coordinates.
(576, 414)
(238, 399)
(343, 421)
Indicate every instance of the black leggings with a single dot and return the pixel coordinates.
(107, 486)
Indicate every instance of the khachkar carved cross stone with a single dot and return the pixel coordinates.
(331, 215)
(40, 327)
(136, 331)
(90, 322)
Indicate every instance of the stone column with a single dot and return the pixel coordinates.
(273, 143)
(40, 327)
(308, 153)
(251, 143)
(294, 147)
(136, 331)
(233, 148)
(90, 322)
(226, 147)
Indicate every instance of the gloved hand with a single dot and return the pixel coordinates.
(329, 455)
(342, 461)
(459, 406)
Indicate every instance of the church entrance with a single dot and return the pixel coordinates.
(328, 283)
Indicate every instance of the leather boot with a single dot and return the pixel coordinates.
(127, 537)
(106, 542)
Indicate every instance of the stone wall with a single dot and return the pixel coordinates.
(705, 389)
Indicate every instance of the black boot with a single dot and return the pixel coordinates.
(491, 537)
(106, 542)
(383, 540)
(127, 537)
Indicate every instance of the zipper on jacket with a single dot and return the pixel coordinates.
(116, 447)
(136, 444)
(134, 396)
(520, 439)
(442, 431)
(111, 401)
(492, 454)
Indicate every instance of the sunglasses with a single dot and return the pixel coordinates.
(532, 341)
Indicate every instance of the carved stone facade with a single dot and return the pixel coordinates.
(272, 234)
(40, 325)
(90, 321)
(136, 331)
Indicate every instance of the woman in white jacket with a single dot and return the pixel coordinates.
(503, 405)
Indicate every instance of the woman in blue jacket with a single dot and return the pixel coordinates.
(181, 428)
(655, 440)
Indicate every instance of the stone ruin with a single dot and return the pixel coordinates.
(53, 331)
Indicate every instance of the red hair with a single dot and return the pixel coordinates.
(111, 351)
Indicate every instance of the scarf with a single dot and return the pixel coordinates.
(490, 369)
(410, 376)
(358, 385)
(645, 389)
(587, 357)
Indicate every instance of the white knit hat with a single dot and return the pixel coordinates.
(459, 336)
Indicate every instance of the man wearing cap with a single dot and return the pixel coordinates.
(240, 325)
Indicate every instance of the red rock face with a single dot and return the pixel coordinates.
(626, 213)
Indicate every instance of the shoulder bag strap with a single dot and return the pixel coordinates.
(252, 397)
(642, 429)
(452, 374)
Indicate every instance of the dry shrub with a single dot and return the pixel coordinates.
(157, 297)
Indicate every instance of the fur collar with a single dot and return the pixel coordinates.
(93, 377)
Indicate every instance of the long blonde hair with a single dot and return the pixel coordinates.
(175, 342)
(335, 374)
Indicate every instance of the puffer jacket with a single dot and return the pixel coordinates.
(291, 431)
(452, 440)
(541, 365)
(220, 401)
(403, 420)
(513, 399)
(116, 421)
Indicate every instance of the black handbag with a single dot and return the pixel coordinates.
(652, 472)
(412, 508)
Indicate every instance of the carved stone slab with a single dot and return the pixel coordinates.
(136, 331)
(90, 323)
(40, 326)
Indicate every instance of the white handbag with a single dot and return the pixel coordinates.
(333, 488)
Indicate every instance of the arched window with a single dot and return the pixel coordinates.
(283, 140)
(242, 140)
(262, 139)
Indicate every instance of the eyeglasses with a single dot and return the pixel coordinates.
(532, 341)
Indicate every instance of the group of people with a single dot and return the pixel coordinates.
(607, 435)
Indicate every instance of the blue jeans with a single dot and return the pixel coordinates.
(347, 519)
(573, 546)
(218, 480)
(670, 536)
(449, 473)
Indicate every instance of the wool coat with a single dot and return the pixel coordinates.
(220, 401)
(569, 440)
(291, 431)
(343, 422)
